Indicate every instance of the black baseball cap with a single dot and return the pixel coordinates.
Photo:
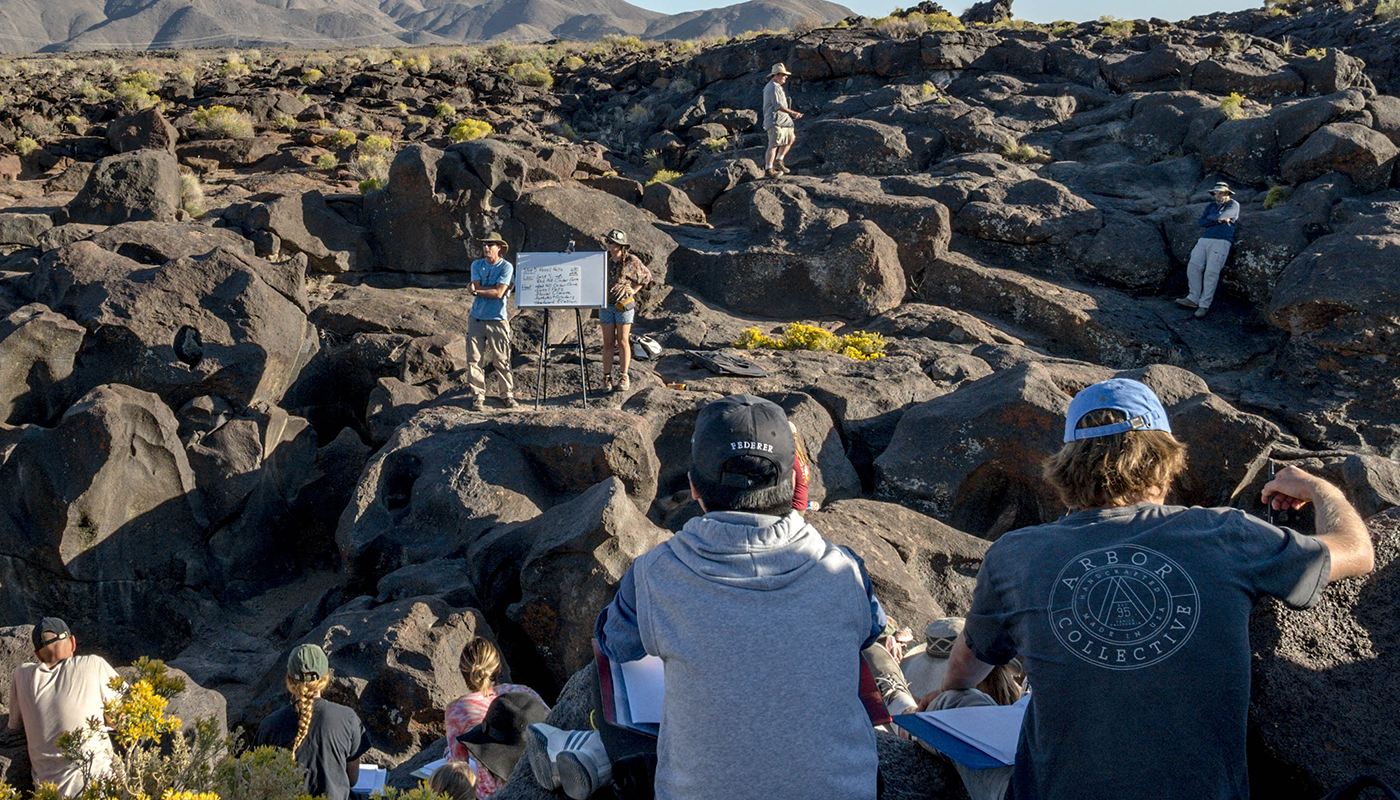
(48, 631)
(742, 441)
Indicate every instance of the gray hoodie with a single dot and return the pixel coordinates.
(760, 622)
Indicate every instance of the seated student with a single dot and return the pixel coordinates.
(59, 693)
(326, 738)
(456, 779)
(498, 743)
(480, 665)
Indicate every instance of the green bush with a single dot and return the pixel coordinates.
(134, 92)
(419, 64)
(663, 176)
(1232, 106)
(234, 67)
(370, 184)
(373, 145)
(1024, 153)
(192, 196)
(530, 74)
(341, 139)
(286, 122)
(310, 76)
(444, 110)
(1276, 196)
(1117, 28)
(24, 146)
(262, 773)
(571, 63)
(469, 129)
(860, 345)
(327, 161)
(1387, 10)
(374, 168)
(224, 122)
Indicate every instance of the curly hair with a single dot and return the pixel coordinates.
(1116, 470)
(480, 664)
(304, 694)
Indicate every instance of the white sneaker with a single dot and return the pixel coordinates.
(583, 767)
(541, 746)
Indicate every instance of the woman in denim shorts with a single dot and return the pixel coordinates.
(626, 275)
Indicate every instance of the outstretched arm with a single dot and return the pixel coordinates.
(1338, 525)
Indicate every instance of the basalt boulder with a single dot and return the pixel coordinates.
(37, 349)
(142, 185)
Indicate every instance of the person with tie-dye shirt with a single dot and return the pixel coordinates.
(481, 665)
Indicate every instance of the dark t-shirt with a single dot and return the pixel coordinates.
(334, 738)
(1134, 627)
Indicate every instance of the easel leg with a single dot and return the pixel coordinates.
(540, 386)
(582, 355)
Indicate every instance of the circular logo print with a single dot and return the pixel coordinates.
(1123, 607)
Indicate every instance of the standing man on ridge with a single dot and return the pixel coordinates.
(778, 121)
(488, 327)
(1132, 616)
(1218, 219)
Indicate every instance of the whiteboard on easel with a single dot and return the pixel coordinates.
(561, 280)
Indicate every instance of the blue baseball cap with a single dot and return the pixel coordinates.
(1139, 403)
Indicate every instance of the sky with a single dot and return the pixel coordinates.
(1034, 10)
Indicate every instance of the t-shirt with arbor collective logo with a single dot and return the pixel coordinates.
(1133, 624)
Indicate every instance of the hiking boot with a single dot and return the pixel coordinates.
(477, 403)
(509, 402)
(1200, 312)
(772, 172)
(607, 384)
(781, 167)
(1186, 302)
(624, 383)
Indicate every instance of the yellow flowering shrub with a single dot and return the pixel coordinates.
(861, 346)
(262, 773)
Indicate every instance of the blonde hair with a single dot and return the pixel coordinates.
(1116, 470)
(1003, 683)
(456, 779)
(801, 447)
(304, 694)
(480, 664)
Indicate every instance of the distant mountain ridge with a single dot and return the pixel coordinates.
(59, 25)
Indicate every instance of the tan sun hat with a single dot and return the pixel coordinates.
(1221, 188)
(779, 69)
(617, 237)
(494, 238)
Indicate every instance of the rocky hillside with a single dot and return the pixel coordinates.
(74, 25)
(233, 296)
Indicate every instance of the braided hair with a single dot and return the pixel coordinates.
(480, 664)
(304, 694)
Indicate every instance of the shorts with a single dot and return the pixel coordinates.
(777, 137)
(609, 315)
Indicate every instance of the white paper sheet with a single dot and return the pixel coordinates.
(426, 771)
(992, 729)
(372, 780)
(645, 682)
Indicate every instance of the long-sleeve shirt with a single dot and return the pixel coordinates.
(1211, 216)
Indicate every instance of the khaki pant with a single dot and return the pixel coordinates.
(1203, 272)
(488, 340)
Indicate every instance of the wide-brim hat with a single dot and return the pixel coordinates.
(941, 634)
(617, 237)
(499, 741)
(494, 238)
(1221, 188)
(779, 69)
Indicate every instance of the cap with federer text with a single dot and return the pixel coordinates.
(742, 425)
(1139, 403)
(50, 630)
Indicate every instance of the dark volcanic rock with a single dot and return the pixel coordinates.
(37, 349)
(1339, 650)
(578, 551)
(144, 185)
(1364, 155)
(253, 338)
(144, 130)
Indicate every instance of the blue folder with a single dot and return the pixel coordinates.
(948, 744)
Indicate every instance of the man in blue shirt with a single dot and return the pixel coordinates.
(488, 330)
(1132, 616)
(1208, 256)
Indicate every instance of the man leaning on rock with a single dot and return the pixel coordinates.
(58, 693)
(778, 121)
(1208, 256)
(1132, 616)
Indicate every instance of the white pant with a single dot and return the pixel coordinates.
(1207, 260)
